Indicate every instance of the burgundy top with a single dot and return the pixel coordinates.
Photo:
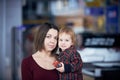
(32, 71)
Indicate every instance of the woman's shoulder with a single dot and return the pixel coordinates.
(27, 59)
(27, 63)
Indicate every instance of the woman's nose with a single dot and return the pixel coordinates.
(53, 40)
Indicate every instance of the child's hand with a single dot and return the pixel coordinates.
(61, 69)
(57, 64)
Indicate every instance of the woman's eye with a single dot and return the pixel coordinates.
(47, 36)
(55, 38)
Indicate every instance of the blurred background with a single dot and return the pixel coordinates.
(95, 22)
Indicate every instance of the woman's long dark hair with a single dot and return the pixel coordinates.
(41, 34)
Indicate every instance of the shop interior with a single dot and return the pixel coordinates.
(95, 22)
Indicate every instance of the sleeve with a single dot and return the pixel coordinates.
(67, 68)
(25, 70)
(76, 62)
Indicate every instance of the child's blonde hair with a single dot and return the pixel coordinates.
(70, 32)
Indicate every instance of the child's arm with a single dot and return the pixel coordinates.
(61, 68)
(76, 62)
(74, 65)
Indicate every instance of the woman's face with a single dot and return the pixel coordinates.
(65, 41)
(51, 39)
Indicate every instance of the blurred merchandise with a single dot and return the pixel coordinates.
(112, 19)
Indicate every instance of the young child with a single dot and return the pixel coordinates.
(70, 59)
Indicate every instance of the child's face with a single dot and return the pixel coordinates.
(65, 41)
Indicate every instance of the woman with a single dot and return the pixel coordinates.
(39, 66)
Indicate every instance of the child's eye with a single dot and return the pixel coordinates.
(60, 40)
(67, 40)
